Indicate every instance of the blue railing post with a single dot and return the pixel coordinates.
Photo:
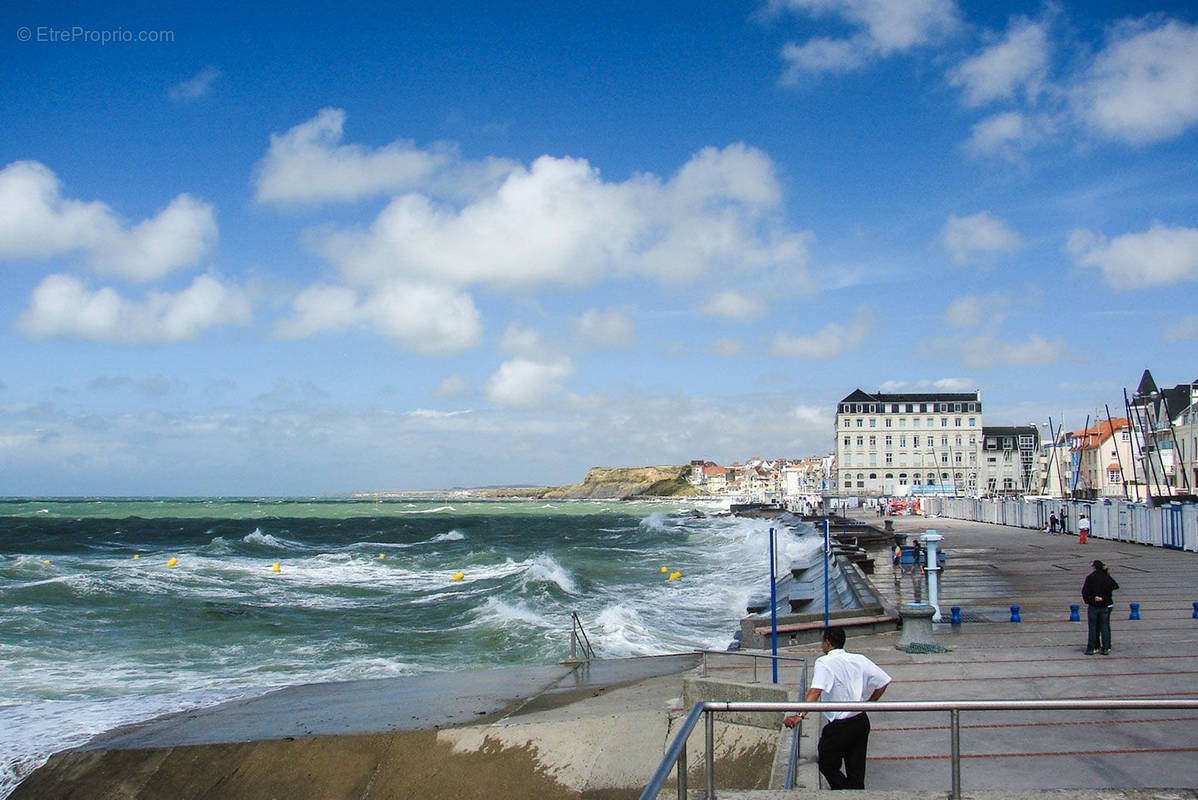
(1135, 611)
(1015, 614)
(1074, 616)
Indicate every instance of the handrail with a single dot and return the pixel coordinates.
(578, 639)
(756, 657)
(706, 709)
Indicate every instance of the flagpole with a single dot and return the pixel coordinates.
(773, 609)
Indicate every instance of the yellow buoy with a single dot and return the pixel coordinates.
(675, 576)
(45, 561)
(136, 556)
(382, 555)
(457, 576)
(172, 562)
(665, 569)
(275, 567)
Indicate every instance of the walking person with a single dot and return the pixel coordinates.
(1098, 591)
(843, 677)
(1083, 528)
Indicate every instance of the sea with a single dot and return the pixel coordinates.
(114, 611)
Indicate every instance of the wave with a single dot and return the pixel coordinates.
(266, 540)
(544, 569)
(452, 536)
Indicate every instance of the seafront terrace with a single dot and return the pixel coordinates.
(552, 732)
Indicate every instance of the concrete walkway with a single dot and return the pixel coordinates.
(991, 568)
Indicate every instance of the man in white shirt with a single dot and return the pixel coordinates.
(843, 678)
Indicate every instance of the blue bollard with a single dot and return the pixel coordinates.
(956, 611)
(1135, 611)
(1015, 614)
(1195, 610)
(1073, 615)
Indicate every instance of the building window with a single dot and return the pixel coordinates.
(888, 422)
(889, 459)
(873, 441)
(957, 421)
(889, 440)
(860, 423)
(973, 422)
(848, 441)
(873, 423)
(944, 422)
(861, 441)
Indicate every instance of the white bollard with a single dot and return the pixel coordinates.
(931, 540)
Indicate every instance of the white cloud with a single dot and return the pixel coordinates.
(989, 350)
(63, 307)
(525, 383)
(309, 165)
(36, 221)
(423, 318)
(733, 304)
(195, 87)
(829, 341)
(939, 385)
(979, 235)
(1143, 87)
(1008, 134)
(974, 310)
(1185, 329)
(726, 347)
(609, 328)
(1018, 63)
(521, 340)
(558, 222)
(814, 418)
(1160, 256)
(883, 28)
(451, 386)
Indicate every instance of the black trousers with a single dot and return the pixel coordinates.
(844, 741)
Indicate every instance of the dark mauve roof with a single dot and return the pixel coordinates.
(912, 397)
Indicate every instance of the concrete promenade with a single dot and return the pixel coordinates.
(553, 732)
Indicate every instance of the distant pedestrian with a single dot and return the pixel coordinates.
(845, 678)
(1098, 591)
(1083, 528)
(1062, 518)
(1052, 523)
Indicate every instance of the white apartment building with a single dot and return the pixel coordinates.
(908, 443)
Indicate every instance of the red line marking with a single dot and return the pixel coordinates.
(1133, 751)
(1087, 723)
(1038, 677)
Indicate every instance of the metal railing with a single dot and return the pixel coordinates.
(579, 640)
(756, 656)
(676, 754)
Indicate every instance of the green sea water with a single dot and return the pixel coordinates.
(115, 609)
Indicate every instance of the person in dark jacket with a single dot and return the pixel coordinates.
(1098, 592)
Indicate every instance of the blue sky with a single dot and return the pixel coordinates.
(317, 248)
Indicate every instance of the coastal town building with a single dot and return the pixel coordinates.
(1161, 419)
(891, 444)
(1010, 462)
(1100, 454)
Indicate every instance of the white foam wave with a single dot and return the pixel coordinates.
(543, 569)
(452, 536)
(266, 540)
(620, 631)
(503, 613)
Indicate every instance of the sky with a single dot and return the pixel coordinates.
(317, 248)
